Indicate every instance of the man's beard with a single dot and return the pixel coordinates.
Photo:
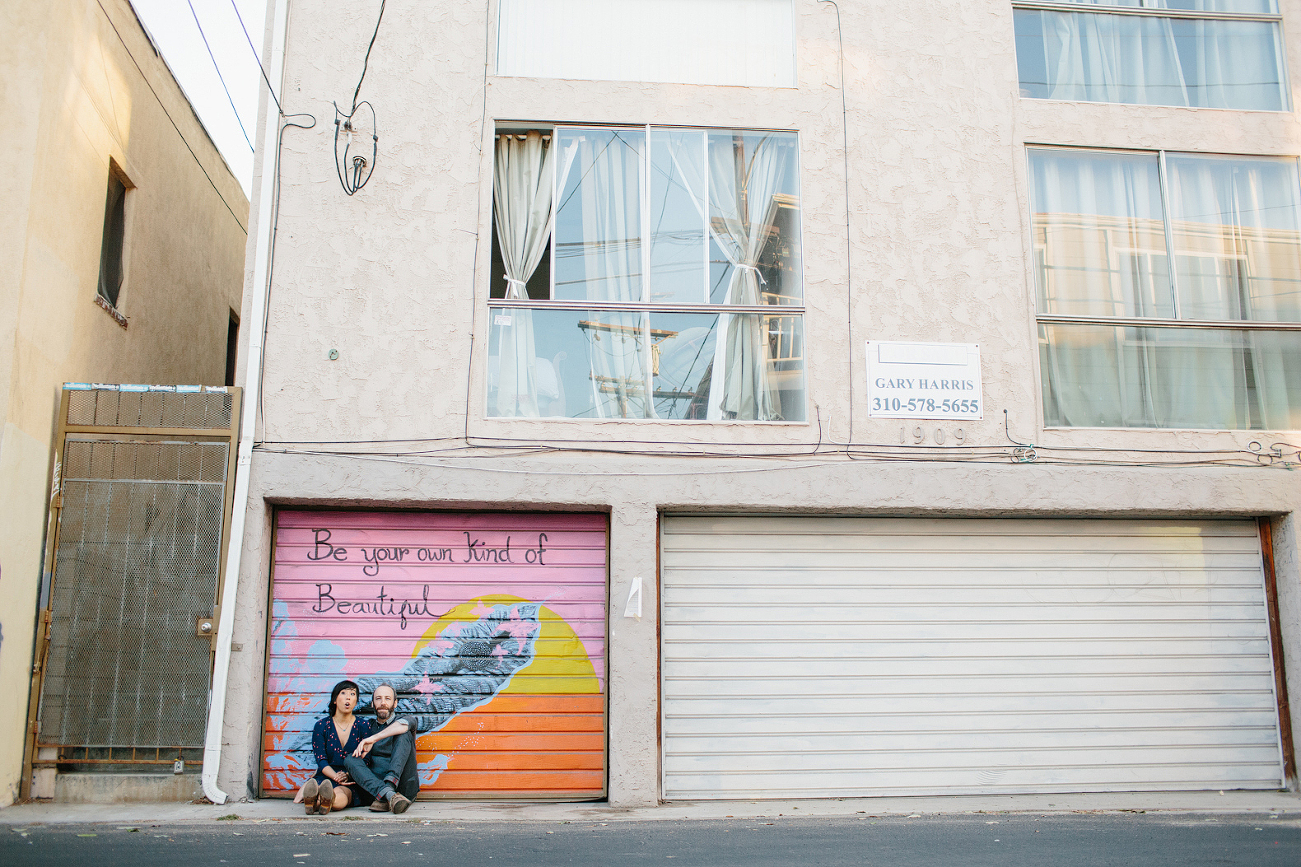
(382, 715)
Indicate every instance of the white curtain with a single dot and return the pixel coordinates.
(603, 181)
(745, 172)
(1236, 226)
(1161, 61)
(522, 186)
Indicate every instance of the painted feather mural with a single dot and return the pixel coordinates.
(465, 667)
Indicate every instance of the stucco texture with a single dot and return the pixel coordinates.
(80, 103)
(918, 232)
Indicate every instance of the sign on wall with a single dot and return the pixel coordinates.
(490, 628)
(924, 380)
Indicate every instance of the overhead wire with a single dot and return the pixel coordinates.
(169, 117)
(256, 57)
(220, 77)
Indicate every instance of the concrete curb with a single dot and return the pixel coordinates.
(1286, 804)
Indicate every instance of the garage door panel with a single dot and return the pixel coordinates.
(1046, 655)
(976, 723)
(491, 628)
(910, 666)
(974, 635)
(1179, 590)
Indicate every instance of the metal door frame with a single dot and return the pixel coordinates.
(121, 433)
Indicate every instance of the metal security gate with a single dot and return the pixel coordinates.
(141, 499)
(490, 628)
(828, 657)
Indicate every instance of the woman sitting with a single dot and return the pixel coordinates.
(333, 739)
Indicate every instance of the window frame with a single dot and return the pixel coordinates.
(648, 307)
(1038, 265)
(120, 245)
(1065, 6)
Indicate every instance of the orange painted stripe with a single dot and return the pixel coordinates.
(490, 761)
(503, 742)
(533, 781)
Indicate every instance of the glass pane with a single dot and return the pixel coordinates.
(1257, 6)
(568, 363)
(684, 349)
(678, 247)
(754, 218)
(1099, 239)
(1236, 224)
(598, 231)
(1108, 376)
(1148, 60)
(595, 364)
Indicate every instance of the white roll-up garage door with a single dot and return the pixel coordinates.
(833, 657)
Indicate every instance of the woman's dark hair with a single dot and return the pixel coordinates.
(340, 687)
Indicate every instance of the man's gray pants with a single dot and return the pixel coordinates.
(396, 769)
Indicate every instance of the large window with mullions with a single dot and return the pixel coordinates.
(1169, 289)
(1205, 53)
(646, 273)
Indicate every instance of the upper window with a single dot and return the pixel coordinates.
(748, 43)
(647, 272)
(110, 250)
(1169, 289)
(1207, 53)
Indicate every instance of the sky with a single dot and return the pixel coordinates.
(172, 25)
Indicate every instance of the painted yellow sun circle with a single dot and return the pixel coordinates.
(560, 664)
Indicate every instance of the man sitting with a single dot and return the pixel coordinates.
(384, 764)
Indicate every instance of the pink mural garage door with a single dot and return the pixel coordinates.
(490, 626)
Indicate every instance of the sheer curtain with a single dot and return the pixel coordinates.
(1100, 244)
(1238, 252)
(599, 258)
(522, 186)
(1153, 60)
(745, 173)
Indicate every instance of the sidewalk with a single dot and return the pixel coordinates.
(1284, 804)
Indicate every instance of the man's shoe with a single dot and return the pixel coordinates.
(399, 802)
(309, 797)
(379, 805)
(325, 798)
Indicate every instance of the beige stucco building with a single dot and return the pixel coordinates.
(95, 114)
(846, 401)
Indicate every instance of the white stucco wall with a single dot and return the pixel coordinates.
(395, 279)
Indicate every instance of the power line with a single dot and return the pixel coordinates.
(220, 77)
(169, 117)
(260, 67)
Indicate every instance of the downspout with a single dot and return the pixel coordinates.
(248, 424)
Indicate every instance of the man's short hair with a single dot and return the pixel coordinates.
(380, 686)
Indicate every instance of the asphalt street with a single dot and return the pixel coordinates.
(1006, 840)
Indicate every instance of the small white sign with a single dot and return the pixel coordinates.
(924, 380)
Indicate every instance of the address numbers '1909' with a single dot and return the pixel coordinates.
(956, 408)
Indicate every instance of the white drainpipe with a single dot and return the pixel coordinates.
(257, 317)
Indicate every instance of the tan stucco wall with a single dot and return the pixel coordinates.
(79, 101)
(395, 279)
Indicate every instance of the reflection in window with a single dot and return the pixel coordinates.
(1106, 227)
(1155, 58)
(672, 242)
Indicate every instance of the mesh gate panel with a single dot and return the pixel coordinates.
(150, 408)
(137, 562)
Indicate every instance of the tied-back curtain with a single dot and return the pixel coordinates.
(745, 173)
(522, 186)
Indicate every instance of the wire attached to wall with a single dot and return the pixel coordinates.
(354, 169)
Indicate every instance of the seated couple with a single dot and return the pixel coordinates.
(360, 760)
